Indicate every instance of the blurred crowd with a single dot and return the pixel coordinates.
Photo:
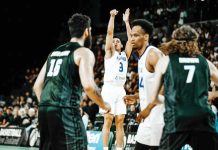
(20, 109)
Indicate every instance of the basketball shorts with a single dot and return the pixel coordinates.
(114, 96)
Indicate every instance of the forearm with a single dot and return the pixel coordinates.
(110, 28)
(94, 94)
(128, 30)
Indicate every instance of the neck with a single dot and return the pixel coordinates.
(142, 50)
(78, 40)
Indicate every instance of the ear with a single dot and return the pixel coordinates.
(146, 37)
(86, 33)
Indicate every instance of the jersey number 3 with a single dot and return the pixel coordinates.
(54, 67)
(191, 71)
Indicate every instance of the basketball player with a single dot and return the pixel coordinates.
(186, 76)
(116, 62)
(150, 130)
(58, 87)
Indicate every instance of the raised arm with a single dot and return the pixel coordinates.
(109, 50)
(128, 47)
(39, 83)
(85, 60)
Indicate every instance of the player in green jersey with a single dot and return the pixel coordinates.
(58, 87)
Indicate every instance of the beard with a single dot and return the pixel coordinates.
(88, 42)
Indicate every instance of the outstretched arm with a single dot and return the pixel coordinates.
(110, 33)
(128, 47)
(39, 83)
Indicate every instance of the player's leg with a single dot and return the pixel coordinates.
(109, 97)
(120, 112)
(119, 120)
(43, 128)
(108, 119)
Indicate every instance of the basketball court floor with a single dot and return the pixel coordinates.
(4, 147)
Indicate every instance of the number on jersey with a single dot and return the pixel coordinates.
(141, 83)
(121, 67)
(191, 71)
(54, 69)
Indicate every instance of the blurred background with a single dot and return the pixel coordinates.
(30, 30)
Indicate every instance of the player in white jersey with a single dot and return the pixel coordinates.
(115, 63)
(150, 130)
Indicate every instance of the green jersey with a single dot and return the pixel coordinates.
(62, 86)
(186, 84)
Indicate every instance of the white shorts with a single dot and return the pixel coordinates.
(114, 96)
(149, 134)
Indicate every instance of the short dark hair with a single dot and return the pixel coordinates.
(77, 24)
(146, 25)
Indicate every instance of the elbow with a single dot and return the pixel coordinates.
(88, 88)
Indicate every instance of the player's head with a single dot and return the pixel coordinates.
(80, 26)
(117, 43)
(184, 40)
(141, 31)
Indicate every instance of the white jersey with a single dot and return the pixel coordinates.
(150, 130)
(116, 69)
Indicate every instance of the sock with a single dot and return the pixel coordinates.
(105, 148)
(119, 148)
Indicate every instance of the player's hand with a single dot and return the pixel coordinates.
(107, 108)
(113, 12)
(129, 99)
(145, 113)
(210, 97)
(142, 115)
(126, 15)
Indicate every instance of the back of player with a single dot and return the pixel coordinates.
(188, 113)
(60, 98)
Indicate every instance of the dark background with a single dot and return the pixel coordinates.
(31, 29)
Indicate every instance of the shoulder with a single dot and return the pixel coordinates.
(83, 53)
(163, 63)
(154, 55)
(155, 52)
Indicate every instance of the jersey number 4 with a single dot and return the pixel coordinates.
(191, 71)
(54, 67)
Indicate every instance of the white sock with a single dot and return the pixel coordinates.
(105, 148)
(119, 148)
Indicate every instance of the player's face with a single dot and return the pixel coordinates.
(138, 37)
(117, 44)
(88, 40)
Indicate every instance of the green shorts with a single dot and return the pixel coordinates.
(198, 140)
(61, 129)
